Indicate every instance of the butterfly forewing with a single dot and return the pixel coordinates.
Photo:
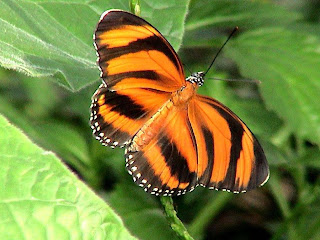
(132, 54)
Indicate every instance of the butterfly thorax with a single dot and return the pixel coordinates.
(181, 97)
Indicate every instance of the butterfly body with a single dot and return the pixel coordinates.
(175, 139)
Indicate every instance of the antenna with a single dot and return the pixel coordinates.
(234, 30)
(186, 66)
(237, 80)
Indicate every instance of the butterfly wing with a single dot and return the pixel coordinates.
(167, 165)
(133, 54)
(117, 115)
(139, 68)
(229, 155)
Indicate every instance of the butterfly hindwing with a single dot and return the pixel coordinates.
(117, 115)
(229, 155)
(165, 166)
(133, 54)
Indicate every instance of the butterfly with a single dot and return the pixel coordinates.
(174, 138)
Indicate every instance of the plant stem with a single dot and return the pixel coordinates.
(173, 219)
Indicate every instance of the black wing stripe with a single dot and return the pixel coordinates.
(144, 44)
(148, 74)
(123, 105)
(237, 132)
(209, 140)
(175, 161)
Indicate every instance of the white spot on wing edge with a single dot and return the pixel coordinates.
(111, 10)
(104, 14)
(266, 180)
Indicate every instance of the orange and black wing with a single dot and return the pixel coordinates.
(167, 164)
(133, 54)
(117, 115)
(229, 155)
(139, 69)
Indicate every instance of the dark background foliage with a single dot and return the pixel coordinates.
(48, 78)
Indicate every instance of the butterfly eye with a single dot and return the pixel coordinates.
(197, 77)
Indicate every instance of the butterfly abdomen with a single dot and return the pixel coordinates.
(179, 100)
(151, 128)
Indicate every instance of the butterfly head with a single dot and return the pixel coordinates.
(196, 77)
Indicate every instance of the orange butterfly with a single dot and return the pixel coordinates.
(175, 139)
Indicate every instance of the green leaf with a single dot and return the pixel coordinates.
(36, 40)
(206, 18)
(287, 63)
(309, 159)
(64, 139)
(54, 38)
(42, 199)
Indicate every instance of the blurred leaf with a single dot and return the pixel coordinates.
(140, 213)
(60, 137)
(79, 104)
(208, 212)
(42, 99)
(306, 212)
(310, 158)
(55, 38)
(287, 63)
(42, 199)
(279, 193)
(205, 18)
(16, 117)
(274, 155)
(226, 13)
(64, 139)
(309, 216)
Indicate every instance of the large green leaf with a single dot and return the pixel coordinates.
(41, 199)
(288, 63)
(54, 38)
